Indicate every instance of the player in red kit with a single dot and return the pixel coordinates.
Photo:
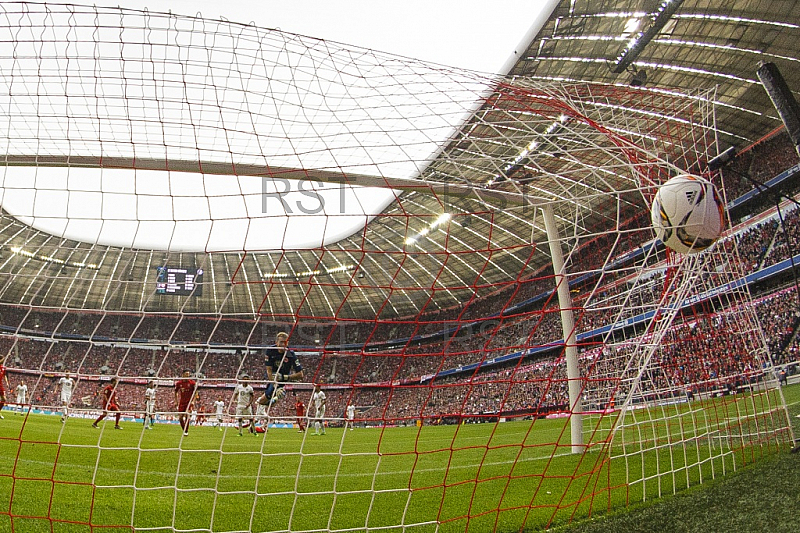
(109, 394)
(300, 412)
(184, 394)
(3, 384)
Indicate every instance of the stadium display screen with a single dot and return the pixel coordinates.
(185, 281)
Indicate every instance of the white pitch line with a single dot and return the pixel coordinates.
(286, 476)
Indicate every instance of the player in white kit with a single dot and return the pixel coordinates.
(219, 410)
(22, 396)
(319, 400)
(67, 385)
(244, 404)
(150, 405)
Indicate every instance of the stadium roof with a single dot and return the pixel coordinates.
(700, 47)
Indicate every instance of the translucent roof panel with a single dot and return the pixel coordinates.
(187, 211)
(105, 83)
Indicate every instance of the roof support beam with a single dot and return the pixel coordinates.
(490, 197)
(628, 55)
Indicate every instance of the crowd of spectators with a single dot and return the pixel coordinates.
(761, 162)
(403, 386)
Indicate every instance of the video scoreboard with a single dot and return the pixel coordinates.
(179, 281)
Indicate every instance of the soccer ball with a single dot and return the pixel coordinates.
(687, 214)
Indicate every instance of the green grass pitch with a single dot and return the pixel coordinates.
(477, 477)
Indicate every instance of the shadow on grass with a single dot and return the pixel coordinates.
(762, 497)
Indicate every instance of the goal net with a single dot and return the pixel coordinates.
(464, 265)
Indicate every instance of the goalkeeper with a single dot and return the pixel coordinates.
(282, 367)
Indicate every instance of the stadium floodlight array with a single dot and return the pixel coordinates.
(466, 259)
